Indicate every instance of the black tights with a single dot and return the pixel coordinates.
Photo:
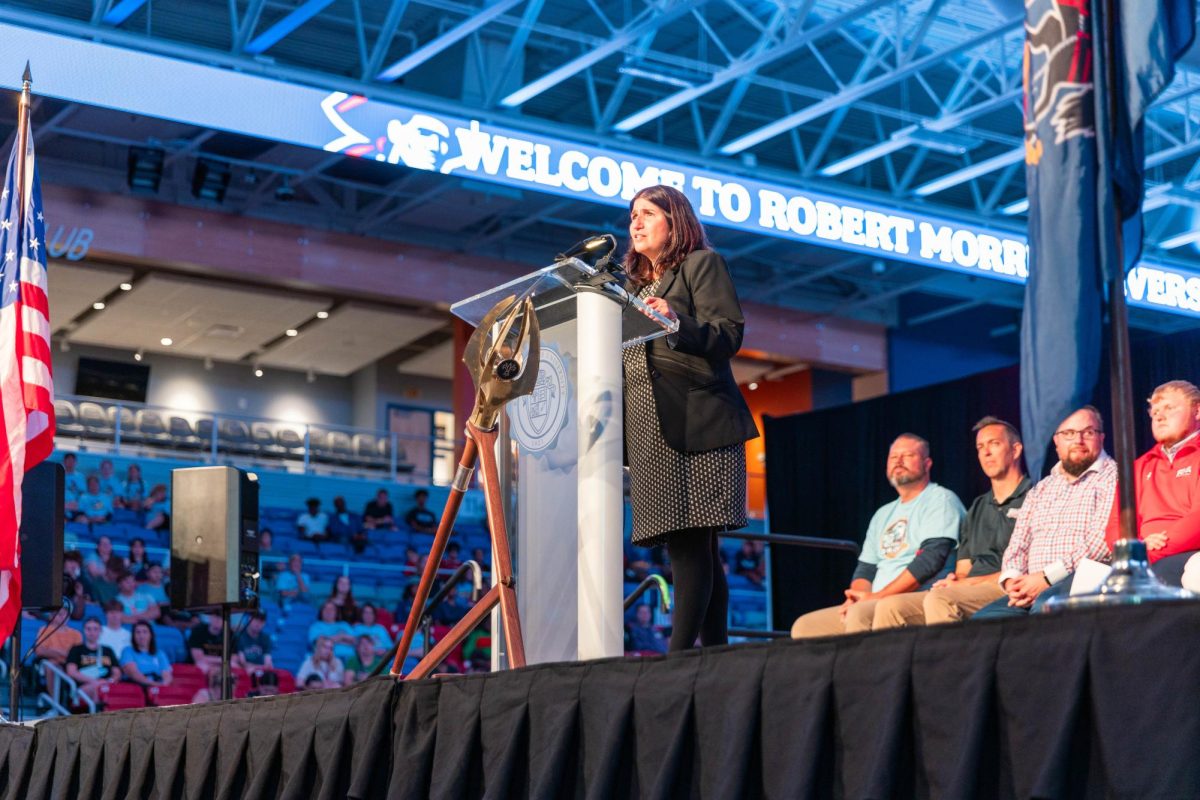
(701, 592)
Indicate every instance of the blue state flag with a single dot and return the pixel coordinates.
(1084, 162)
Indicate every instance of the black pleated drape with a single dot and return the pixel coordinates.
(1084, 705)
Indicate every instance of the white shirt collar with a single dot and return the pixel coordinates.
(1170, 452)
(1096, 466)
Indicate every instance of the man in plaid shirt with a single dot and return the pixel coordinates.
(1064, 520)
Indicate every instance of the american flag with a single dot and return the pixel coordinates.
(26, 385)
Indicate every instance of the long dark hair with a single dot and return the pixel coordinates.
(151, 648)
(686, 234)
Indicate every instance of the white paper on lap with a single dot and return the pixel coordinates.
(1088, 576)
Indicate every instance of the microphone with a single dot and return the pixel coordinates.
(604, 244)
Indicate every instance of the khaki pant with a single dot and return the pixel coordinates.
(862, 616)
(958, 601)
(951, 603)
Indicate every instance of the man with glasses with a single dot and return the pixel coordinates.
(1064, 520)
(1167, 480)
(907, 543)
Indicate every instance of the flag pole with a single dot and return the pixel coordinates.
(1120, 370)
(14, 672)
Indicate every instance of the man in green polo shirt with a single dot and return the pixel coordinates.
(982, 539)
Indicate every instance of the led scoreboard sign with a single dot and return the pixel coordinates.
(451, 146)
(145, 83)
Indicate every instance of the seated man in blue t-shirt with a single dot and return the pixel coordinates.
(907, 543)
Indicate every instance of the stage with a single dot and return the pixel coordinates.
(1092, 704)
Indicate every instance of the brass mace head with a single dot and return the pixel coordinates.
(502, 357)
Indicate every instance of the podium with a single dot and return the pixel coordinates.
(560, 458)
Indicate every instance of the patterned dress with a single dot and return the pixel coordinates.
(673, 490)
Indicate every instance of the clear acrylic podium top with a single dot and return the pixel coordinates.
(553, 287)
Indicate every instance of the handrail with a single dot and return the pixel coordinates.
(75, 692)
(346, 566)
(432, 603)
(817, 542)
(56, 706)
(652, 581)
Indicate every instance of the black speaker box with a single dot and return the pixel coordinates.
(214, 538)
(42, 536)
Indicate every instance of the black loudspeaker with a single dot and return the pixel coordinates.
(42, 536)
(214, 538)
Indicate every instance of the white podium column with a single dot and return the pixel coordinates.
(600, 420)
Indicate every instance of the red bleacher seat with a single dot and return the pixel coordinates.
(116, 696)
(173, 695)
(189, 676)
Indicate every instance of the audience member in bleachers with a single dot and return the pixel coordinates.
(158, 509)
(205, 642)
(406, 600)
(984, 535)
(324, 664)
(907, 543)
(153, 584)
(453, 608)
(97, 560)
(346, 526)
(329, 626)
(452, 559)
(364, 660)
(90, 663)
(105, 588)
(314, 522)
(1064, 520)
(94, 505)
(1167, 481)
(419, 518)
(479, 556)
(138, 605)
(342, 596)
(641, 635)
(137, 557)
(378, 514)
(412, 561)
(109, 485)
(266, 541)
(368, 625)
(142, 662)
(253, 645)
(292, 584)
(75, 583)
(114, 634)
(211, 691)
(55, 643)
(133, 489)
(750, 563)
(313, 681)
(73, 485)
(477, 649)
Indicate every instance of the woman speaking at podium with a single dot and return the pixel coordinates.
(685, 419)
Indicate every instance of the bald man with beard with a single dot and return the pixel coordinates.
(907, 543)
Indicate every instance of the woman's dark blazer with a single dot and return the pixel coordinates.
(699, 404)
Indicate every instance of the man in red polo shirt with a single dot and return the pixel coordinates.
(1167, 479)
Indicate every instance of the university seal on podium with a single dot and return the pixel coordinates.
(538, 417)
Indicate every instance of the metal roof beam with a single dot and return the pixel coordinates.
(865, 89)
(122, 11)
(903, 137)
(652, 20)
(272, 35)
(448, 39)
(755, 60)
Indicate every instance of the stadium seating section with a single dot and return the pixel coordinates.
(377, 574)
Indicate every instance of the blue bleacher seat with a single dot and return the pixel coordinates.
(171, 641)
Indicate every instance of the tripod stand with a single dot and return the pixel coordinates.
(502, 359)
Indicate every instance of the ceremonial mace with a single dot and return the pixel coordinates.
(502, 358)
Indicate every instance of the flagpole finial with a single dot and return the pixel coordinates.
(27, 78)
